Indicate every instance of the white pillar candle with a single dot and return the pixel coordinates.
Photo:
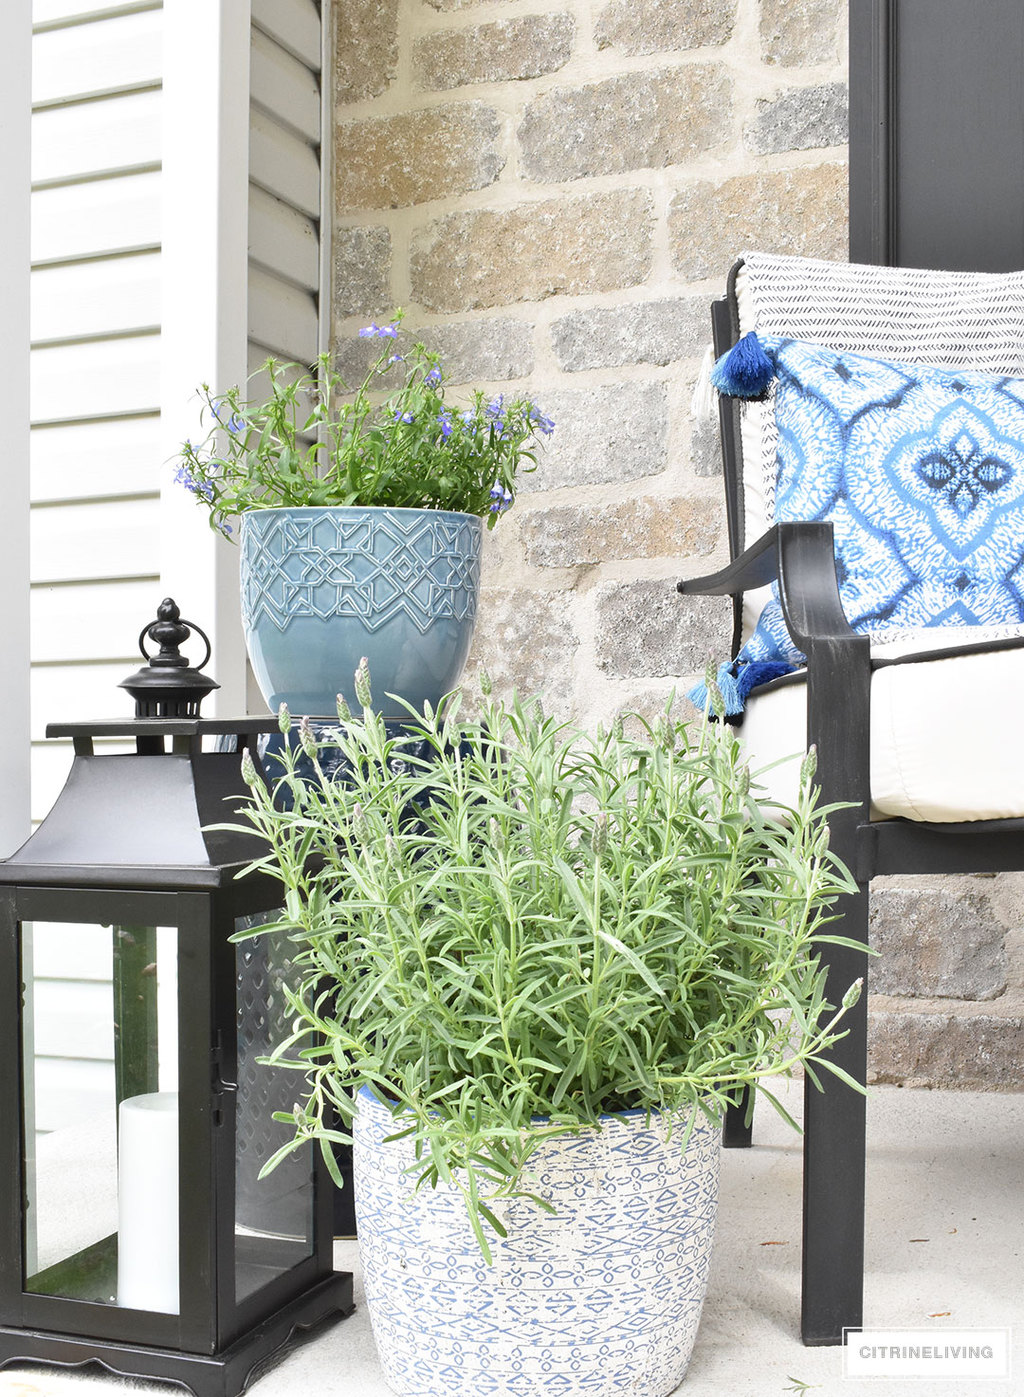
(147, 1203)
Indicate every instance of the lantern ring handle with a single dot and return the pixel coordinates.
(198, 630)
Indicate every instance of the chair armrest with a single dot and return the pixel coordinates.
(838, 672)
(808, 585)
(800, 556)
(755, 567)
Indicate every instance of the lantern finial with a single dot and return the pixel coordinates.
(170, 632)
(167, 686)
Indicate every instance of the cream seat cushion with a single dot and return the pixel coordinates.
(947, 735)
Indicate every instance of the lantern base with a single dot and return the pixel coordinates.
(224, 1374)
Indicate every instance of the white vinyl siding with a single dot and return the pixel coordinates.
(15, 240)
(103, 56)
(283, 241)
(284, 165)
(92, 140)
(95, 463)
(111, 456)
(79, 541)
(58, 614)
(97, 291)
(46, 13)
(285, 182)
(85, 300)
(104, 532)
(103, 378)
(294, 24)
(71, 1091)
(93, 684)
(282, 317)
(102, 218)
(95, 378)
(71, 1003)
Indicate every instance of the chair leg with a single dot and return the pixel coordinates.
(834, 1144)
(736, 1131)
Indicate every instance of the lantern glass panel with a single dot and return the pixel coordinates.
(100, 1128)
(273, 1215)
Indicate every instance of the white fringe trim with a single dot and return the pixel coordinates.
(702, 404)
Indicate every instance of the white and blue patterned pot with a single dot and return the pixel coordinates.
(603, 1298)
(321, 588)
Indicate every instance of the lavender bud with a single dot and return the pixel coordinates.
(344, 712)
(249, 769)
(284, 718)
(307, 738)
(362, 681)
(809, 766)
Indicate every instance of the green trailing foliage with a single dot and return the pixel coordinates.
(393, 441)
(508, 928)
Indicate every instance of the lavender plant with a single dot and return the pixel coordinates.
(507, 928)
(392, 441)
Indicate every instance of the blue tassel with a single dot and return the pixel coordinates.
(758, 672)
(746, 371)
(726, 682)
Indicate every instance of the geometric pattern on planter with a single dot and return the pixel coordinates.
(374, 565)
(605, 1297)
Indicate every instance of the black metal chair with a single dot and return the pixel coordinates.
(840, 674)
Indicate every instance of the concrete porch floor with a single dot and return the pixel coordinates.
(945, 1247)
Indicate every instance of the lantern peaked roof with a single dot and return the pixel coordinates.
(142, 818)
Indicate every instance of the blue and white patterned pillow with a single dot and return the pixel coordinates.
(920, 470)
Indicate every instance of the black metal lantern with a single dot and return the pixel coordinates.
(135, 1231)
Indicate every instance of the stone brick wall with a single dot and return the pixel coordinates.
(554, 190)
(947, 1007)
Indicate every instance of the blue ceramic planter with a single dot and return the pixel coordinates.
(323, 587)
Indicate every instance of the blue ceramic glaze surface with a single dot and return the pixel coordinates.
(323, 587)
